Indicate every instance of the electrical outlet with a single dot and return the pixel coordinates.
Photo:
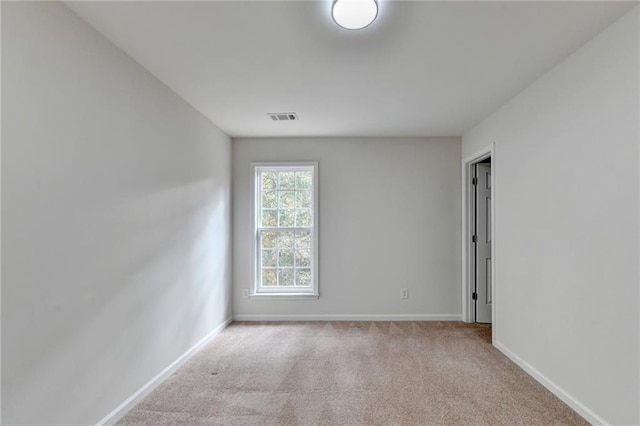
(404, 293)
(245, 293)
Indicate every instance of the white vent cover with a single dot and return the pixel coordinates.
(283, 116)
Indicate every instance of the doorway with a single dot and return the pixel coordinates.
(481, 240)
(478, 244)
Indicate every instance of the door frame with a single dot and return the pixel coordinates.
(468, 308)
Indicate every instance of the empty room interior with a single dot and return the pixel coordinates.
(332, 212)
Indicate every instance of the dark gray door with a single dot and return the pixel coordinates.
(483, 269)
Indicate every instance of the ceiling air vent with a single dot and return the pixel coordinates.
(283, 116)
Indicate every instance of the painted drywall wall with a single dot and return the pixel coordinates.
(389, 218)
(116, 221)
(566, 193)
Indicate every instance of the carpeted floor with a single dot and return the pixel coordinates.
(351, 373)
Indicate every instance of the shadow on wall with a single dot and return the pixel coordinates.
(153, 280)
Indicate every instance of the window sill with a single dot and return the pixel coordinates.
(284, 296)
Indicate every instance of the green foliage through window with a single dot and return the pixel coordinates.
(285, 227)
(286, 199)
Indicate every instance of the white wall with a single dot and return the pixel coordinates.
(389, 218)
(567, 184)
(116, 213)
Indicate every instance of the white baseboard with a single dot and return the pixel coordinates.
(564, 396)
(145, 390)
(400, 317)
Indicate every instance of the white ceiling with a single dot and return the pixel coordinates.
(423, 68)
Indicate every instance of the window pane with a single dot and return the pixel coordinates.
(268, 239)
(303, 199)
(285, 277)
(286, 180)
(285, 258)
(269, 180)
(303, 258)
(303, 217)
(269, 200)
(286, 218)
(269, 218)
(304, 180)
(303, 277)
(269, 258)
(303, 239)
(287, 199)
(285, 240)
(268, 277)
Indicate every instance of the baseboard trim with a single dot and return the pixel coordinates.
(401, 317)
(564, 396)
(140, 394)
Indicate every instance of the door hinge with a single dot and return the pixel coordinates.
(474, 181)
(474, 239)
(475, 296)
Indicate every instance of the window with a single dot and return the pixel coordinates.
(285, 229)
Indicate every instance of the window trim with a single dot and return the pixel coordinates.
(287, 292)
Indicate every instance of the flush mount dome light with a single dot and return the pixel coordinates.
(354, 14)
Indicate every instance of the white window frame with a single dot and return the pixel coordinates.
(257, 291)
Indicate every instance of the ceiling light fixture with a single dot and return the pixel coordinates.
(354, 14)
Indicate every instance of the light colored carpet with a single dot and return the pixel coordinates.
(351, 373)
